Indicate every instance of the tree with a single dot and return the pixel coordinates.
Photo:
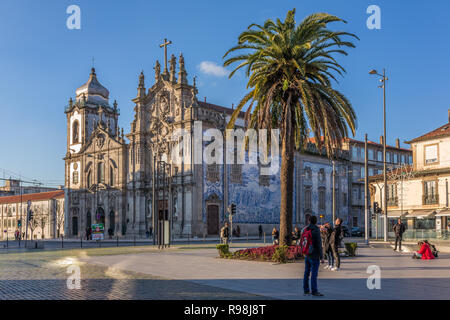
(290, 69)
(59, 216)
(34, 222)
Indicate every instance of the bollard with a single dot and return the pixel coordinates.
(62, 241)
(134, 241)
(6, 241)
(247, 237)
(81, 241)
(117, 240)
(189, 238)
(264, 238)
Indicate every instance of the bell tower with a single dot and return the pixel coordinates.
(89, 110)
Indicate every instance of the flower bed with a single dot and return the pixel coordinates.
(268, 253)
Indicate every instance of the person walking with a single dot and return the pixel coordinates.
(399, 229)
(260, 231)
(312, 244)
(335, 242)
(224, 233)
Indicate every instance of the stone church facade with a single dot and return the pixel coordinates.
(109, 174)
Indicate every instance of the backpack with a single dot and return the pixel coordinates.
(434, 251)
(306, 242)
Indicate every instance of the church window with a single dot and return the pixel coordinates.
(236, 173)
(321, 198)
(75, 130)
(101, 173)
(89, 179)
(111, 176)
(308, 204)
(264, 180)
(212, 173)
(75, 177)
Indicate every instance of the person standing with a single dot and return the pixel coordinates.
(335, 242)
(224, 233)
(399, 229)
(312, 259)
(325, 233)
(260, 231)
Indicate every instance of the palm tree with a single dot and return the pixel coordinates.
(290, 68)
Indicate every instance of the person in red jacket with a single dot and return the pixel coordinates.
(424, 252)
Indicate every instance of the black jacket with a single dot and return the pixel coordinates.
(336, 236)
(326, 236)
(399, 229)
(317, 243)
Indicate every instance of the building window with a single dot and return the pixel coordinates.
(111, 176)
(380, 156)
(363, 172)
(308, 199)
(410, 159)
(355, 153)
(388, 157)
(395, 158)
(321, 198)
(371, 156)
(322, 175)
(430, 195)
(101, 173)
(75, 131)
(431, 154)
(212, 173)
(392, 199)
(308, 174)
(370, 172)
(89, 179)
(236, 173)
(75, 176)
(264, 180)
(344, 199)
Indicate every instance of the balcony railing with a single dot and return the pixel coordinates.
(430, 199)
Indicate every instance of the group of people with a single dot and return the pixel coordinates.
(331, 241)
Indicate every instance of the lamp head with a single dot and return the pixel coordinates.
(373, 71)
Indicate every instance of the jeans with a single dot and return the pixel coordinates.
(330, 258)
(337, 258)
(398, 238)
(311, 267)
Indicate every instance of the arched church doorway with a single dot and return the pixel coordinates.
(100, 217)
(213, 219)
(75, 226)
(112, 220)
(88, 219)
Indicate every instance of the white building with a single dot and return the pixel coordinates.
(48, 215)
(420, 193)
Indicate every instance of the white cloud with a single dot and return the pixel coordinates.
(212, 68)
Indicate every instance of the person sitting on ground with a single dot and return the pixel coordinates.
(424, 252)
(296, 235)
(275, 236)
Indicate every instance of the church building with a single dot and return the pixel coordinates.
(114, 178)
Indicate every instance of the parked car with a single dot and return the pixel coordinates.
(357, 232)
(345, 231)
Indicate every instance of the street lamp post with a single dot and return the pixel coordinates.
(383, 81)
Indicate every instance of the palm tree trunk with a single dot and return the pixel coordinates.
(287, 177)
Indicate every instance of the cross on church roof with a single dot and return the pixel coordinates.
(165, 44)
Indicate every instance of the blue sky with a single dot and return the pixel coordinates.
(42, 63)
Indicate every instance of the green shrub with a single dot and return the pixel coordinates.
(280, 254)
(224, 250)
(350, 248)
